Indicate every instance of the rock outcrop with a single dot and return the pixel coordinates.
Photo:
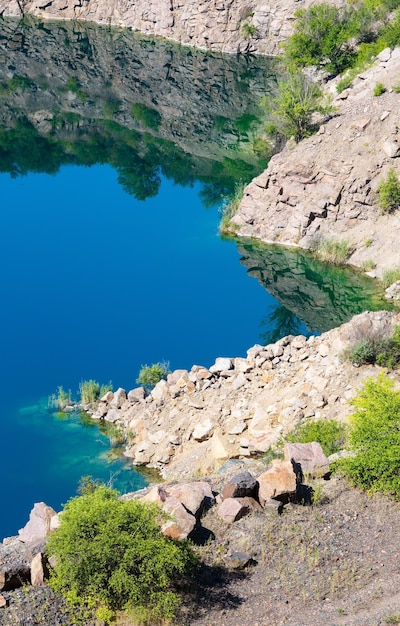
(190, 428)
(326, 185)
(224, 25)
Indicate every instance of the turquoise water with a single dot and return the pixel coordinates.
(111, 188)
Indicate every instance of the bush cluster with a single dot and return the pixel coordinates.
(111, 556)
(389, 192)
(374, 438)
(91, 390)
(384, 351)
(329, 433)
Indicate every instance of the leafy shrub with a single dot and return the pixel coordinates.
(150, 375)
(111, 555)
(333, 251)
(384, 351)
(374, 438)
(290, 111)
(325, 35)
(329, 433)
(379, 89)
(389, 193)
(147, 115)
(91, 390)
(248, 30)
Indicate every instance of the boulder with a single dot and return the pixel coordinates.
(182, 522)
(38, 526)
(137, 394)
(119, 398)
(221, 364)
(278, 482)
(240, 485)
(239, 560)
(15, 559)
(309, 456)
(3, 602)
(160, 391)
(203, 430)
(232, 509)
(37, 570)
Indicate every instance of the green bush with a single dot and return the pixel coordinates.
(379, 89)
(384, 351)
(111, 556)
(150, 375)
(91, 390)
(389, 193)
(290, 111)
(374, 438)
(329, 433)
(325, 35)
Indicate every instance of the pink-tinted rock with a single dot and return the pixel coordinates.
(38, 526)
(3, 602)
(309, 456)
(181, 523)
(278, 482)
(37, 571)
(232, 509)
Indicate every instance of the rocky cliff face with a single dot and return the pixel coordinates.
(224, 25)
(325, 186)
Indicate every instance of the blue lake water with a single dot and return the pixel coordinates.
(110, 258)
(95, 284)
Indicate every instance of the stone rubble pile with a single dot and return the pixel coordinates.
(189, 424)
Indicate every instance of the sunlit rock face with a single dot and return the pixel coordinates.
(224, 25)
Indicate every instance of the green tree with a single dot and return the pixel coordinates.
(296, 101)
(111, 555)
(374, 438)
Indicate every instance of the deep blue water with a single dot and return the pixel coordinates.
(95, 284)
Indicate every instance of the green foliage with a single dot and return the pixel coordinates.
(60, 399)
(324, 35)
(368, 265)
(329, 433)
(379, 89)
(374, 438)
(390, 276)
(333, 251)
(230, 207)
(384, 351)
(248, 29)
(74, 86)
(290, 111)
(91, 390)
(390, 35)
(111, 556)
(389, 192)
(147, 115)
(150, 375)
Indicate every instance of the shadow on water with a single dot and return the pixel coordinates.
(319, 295)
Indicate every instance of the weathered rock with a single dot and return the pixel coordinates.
(3, 602)
(15, 559)
(239, 560)
(203, 431)
(309, 456)
(37, 570)
(38, 526)
(232, 509)
(118, 398)
(137, 394)
(278, 482)
(182, 522)
(221, 364)
(160, 391)
(240, 485)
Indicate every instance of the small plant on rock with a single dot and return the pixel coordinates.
(389, 193)
(150, 375)
(333, 251)
(390, 276)
(90, 391)
(379, 89)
